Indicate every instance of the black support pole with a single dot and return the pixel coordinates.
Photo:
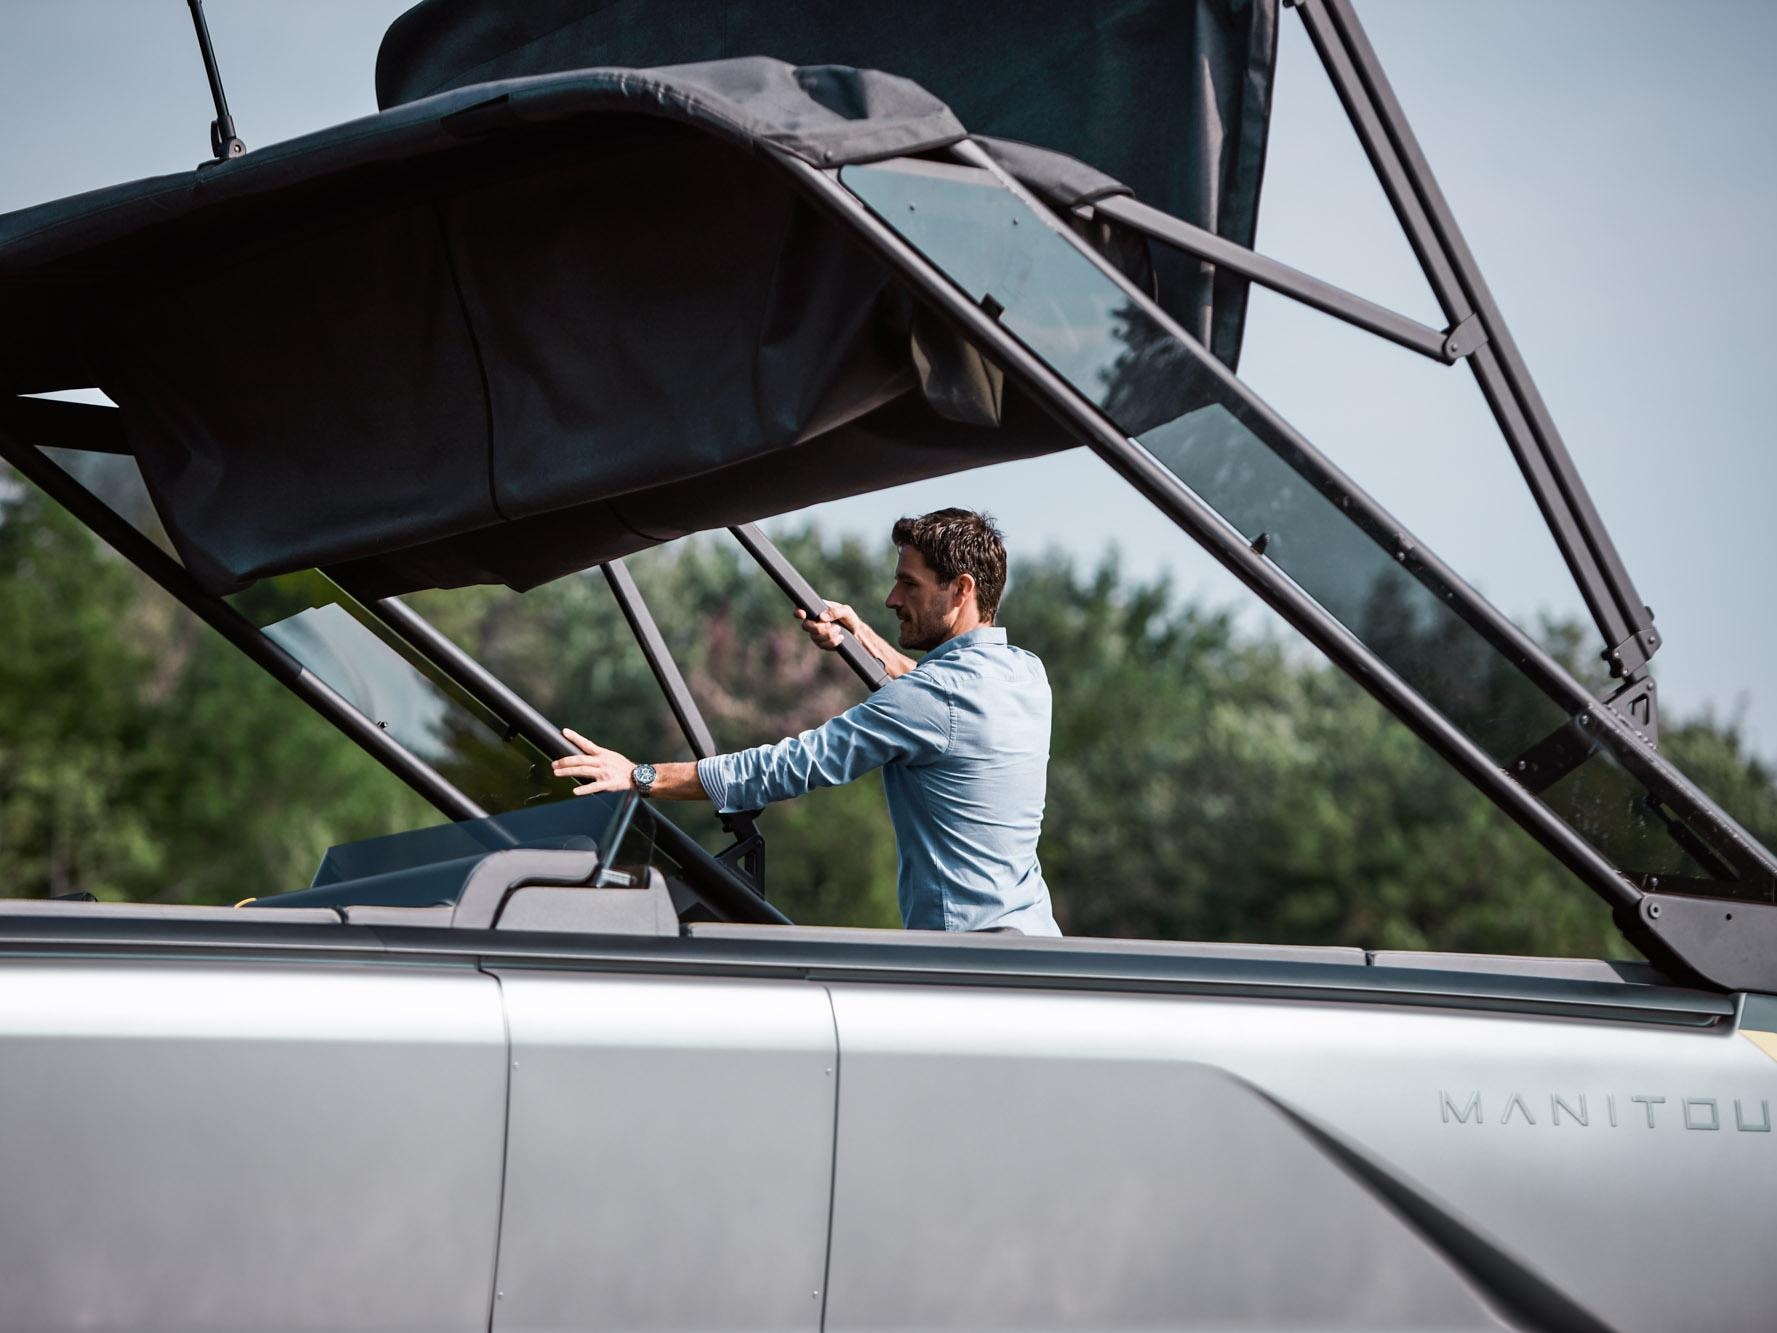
(237, 629)
(224, 143)
(660, 659)
(1623, 619)
(748, 850)
(868, 669)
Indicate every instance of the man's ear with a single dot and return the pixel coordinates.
(965, 589)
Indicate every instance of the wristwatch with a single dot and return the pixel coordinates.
(644, 777)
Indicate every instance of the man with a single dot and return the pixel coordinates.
(962, 738)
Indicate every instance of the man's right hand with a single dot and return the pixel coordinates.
(824, 628)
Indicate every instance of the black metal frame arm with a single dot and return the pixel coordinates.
(748, 851)
(660, 659)
(867, 668)
(1624, 621)
(1447, 347)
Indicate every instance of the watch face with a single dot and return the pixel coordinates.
(644, 776)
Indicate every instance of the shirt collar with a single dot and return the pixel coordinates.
(980, 634)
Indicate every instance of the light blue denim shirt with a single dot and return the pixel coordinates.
(963, 744)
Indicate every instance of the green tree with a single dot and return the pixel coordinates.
(70, 752)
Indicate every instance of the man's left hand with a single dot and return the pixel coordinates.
(597, 769)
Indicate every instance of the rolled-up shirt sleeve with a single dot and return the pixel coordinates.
(907, 720)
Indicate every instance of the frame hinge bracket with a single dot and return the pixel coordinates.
(1464, 337)
(1637, 703)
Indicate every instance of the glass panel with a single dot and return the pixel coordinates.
(403, 694)
(1160, 391)
(1214, 452)
(377, 681)
(1054, 299)
(1614, 811)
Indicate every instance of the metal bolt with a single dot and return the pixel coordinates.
(1584, 720)
(515, 1064)
(1653, 909)
(1522, 765)
(1653, 881)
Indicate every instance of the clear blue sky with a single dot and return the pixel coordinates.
(1610, 162)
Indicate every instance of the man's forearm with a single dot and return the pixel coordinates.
(677, 782)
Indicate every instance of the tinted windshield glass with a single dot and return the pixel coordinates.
(1162, 391)
(399, 691)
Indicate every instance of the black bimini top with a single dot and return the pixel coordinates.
(517, 327)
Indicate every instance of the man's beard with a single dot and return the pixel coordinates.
(920, 638)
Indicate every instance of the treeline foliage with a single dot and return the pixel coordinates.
(1206, 783)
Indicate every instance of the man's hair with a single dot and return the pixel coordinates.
(960, 541)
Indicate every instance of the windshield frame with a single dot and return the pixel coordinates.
(1074, 409)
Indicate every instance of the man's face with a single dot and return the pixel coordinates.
(925, 607)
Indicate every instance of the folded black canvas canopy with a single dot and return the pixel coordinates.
(1171, 97)
(519, 326)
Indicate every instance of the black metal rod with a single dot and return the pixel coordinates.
(1224, 543)
(660, 658)
(868, 668)
(719, 887)
(223, 142)
(1291, 282)
(1424, 213)
(237, 629)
